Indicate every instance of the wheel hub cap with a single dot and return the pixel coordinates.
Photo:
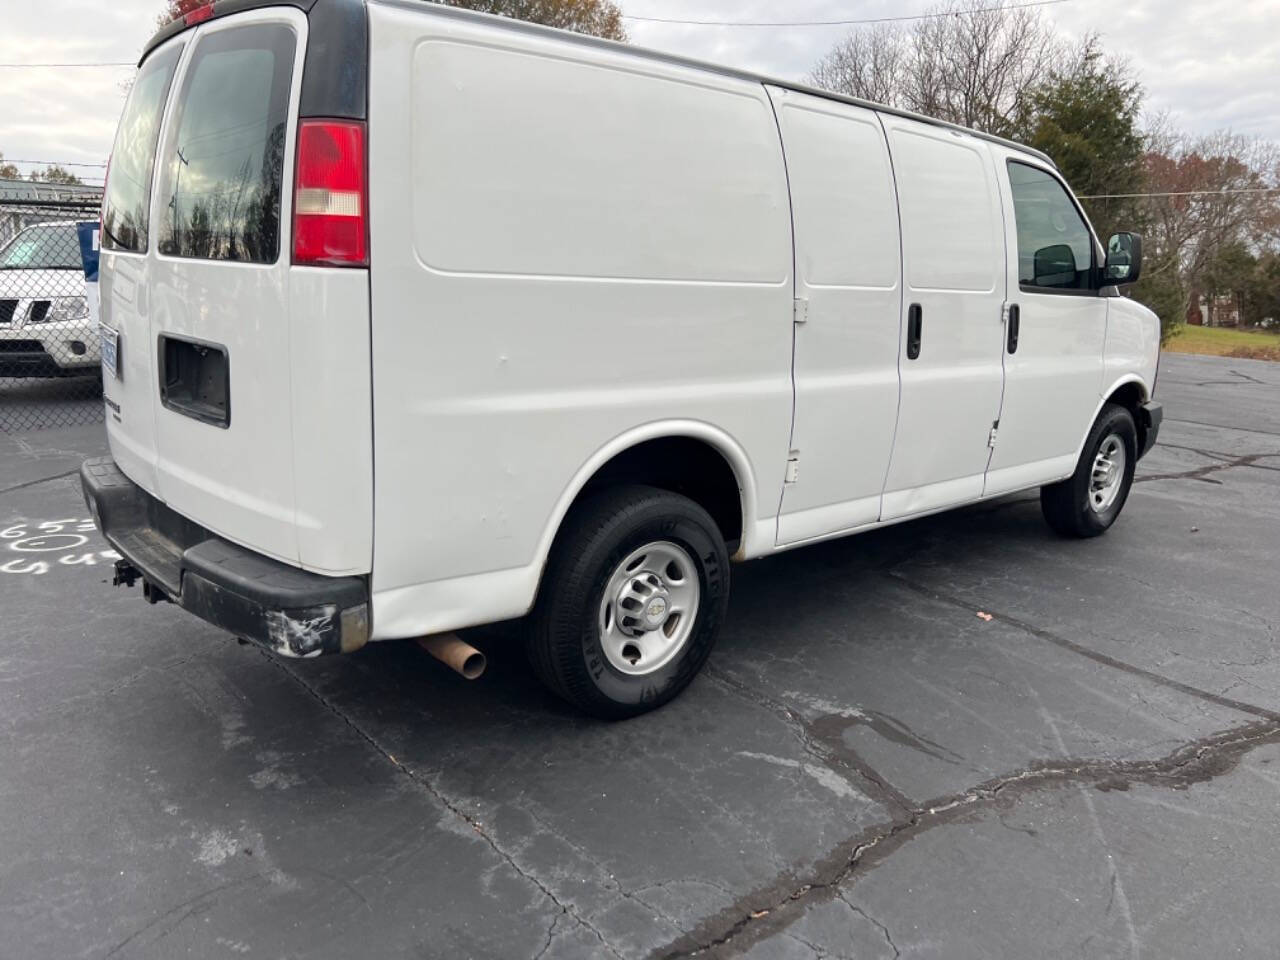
(649, 607)
(642, 604)
(1107, 476)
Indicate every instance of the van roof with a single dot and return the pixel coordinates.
(225, 7)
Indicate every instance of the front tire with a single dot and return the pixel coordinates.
(632, 600)
(1088, 502)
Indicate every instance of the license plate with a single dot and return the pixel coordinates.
(110, 350)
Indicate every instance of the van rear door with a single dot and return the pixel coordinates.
(219, 286)
(128, 385)
(243, 400)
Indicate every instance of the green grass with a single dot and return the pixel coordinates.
(1226, 342)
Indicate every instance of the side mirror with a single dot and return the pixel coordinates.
(1124, 259)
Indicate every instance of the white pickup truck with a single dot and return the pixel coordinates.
(45, 329)
(428, 319)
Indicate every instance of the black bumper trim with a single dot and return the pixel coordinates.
(291, 611)
(1150, 416)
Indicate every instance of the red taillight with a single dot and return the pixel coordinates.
(330, 202)
(198, 15)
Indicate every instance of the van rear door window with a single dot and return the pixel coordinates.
(127, 205)
(223, 162)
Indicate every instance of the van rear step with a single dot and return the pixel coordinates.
(288, 610)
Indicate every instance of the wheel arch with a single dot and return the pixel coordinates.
(621, 460)
(1130, 392)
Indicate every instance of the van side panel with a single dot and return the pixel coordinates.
(569, 243)
(848, 272)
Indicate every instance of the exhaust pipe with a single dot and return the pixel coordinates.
(454, 653)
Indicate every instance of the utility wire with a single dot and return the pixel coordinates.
(58, 163)
(121, 63)
(1180, 193)
(837, 23)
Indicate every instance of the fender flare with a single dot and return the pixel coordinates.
(1105, 398)
(729, 448)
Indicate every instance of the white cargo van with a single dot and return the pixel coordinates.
(419, 319)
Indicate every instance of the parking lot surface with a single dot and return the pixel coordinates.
(958, 737)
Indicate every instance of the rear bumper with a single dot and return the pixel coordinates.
(290, 611)
(1149, 417)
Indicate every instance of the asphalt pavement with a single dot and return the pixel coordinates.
(959, 737)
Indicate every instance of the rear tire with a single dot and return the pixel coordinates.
(1088, 502)
(633, 597)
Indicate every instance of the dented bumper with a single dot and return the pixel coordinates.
(291, 611)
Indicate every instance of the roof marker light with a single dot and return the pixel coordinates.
(198, 15)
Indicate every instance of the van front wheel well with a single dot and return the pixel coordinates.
(1131, 396)
(683, 465)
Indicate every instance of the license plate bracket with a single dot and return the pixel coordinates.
(109, 338)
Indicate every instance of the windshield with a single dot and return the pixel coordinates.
(54, 247)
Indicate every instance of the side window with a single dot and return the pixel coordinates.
(223, 162)
(1055, 247)
(127, 204)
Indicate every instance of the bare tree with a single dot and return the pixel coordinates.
(974, 65)
(1206, 194)
(600, 18)
(870, 64)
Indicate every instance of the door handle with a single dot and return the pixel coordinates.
(1015, 316)
(915, 324)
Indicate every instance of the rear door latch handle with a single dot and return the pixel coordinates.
(915, 325)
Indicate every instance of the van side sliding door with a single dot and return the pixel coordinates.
(1056, 326)
(952, 335)
(849, 297)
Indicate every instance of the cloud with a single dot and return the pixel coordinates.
(68, 114)
(1212, 63)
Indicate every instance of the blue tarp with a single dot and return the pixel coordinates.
(88, 232)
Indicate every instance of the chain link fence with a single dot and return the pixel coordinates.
(50, 361)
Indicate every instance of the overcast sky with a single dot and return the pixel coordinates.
(1212, 63)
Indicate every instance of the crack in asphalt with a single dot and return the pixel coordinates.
(884, 930)
(179, 912)
(1243, 380)
(1108, 661)
(36, 483)
(440, 798)
(826, 747)
(1199, 473)
(1218, 455)
(771, 910)
(1223, 426)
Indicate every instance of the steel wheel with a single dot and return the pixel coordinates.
(649, 608)
(1107, 475)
